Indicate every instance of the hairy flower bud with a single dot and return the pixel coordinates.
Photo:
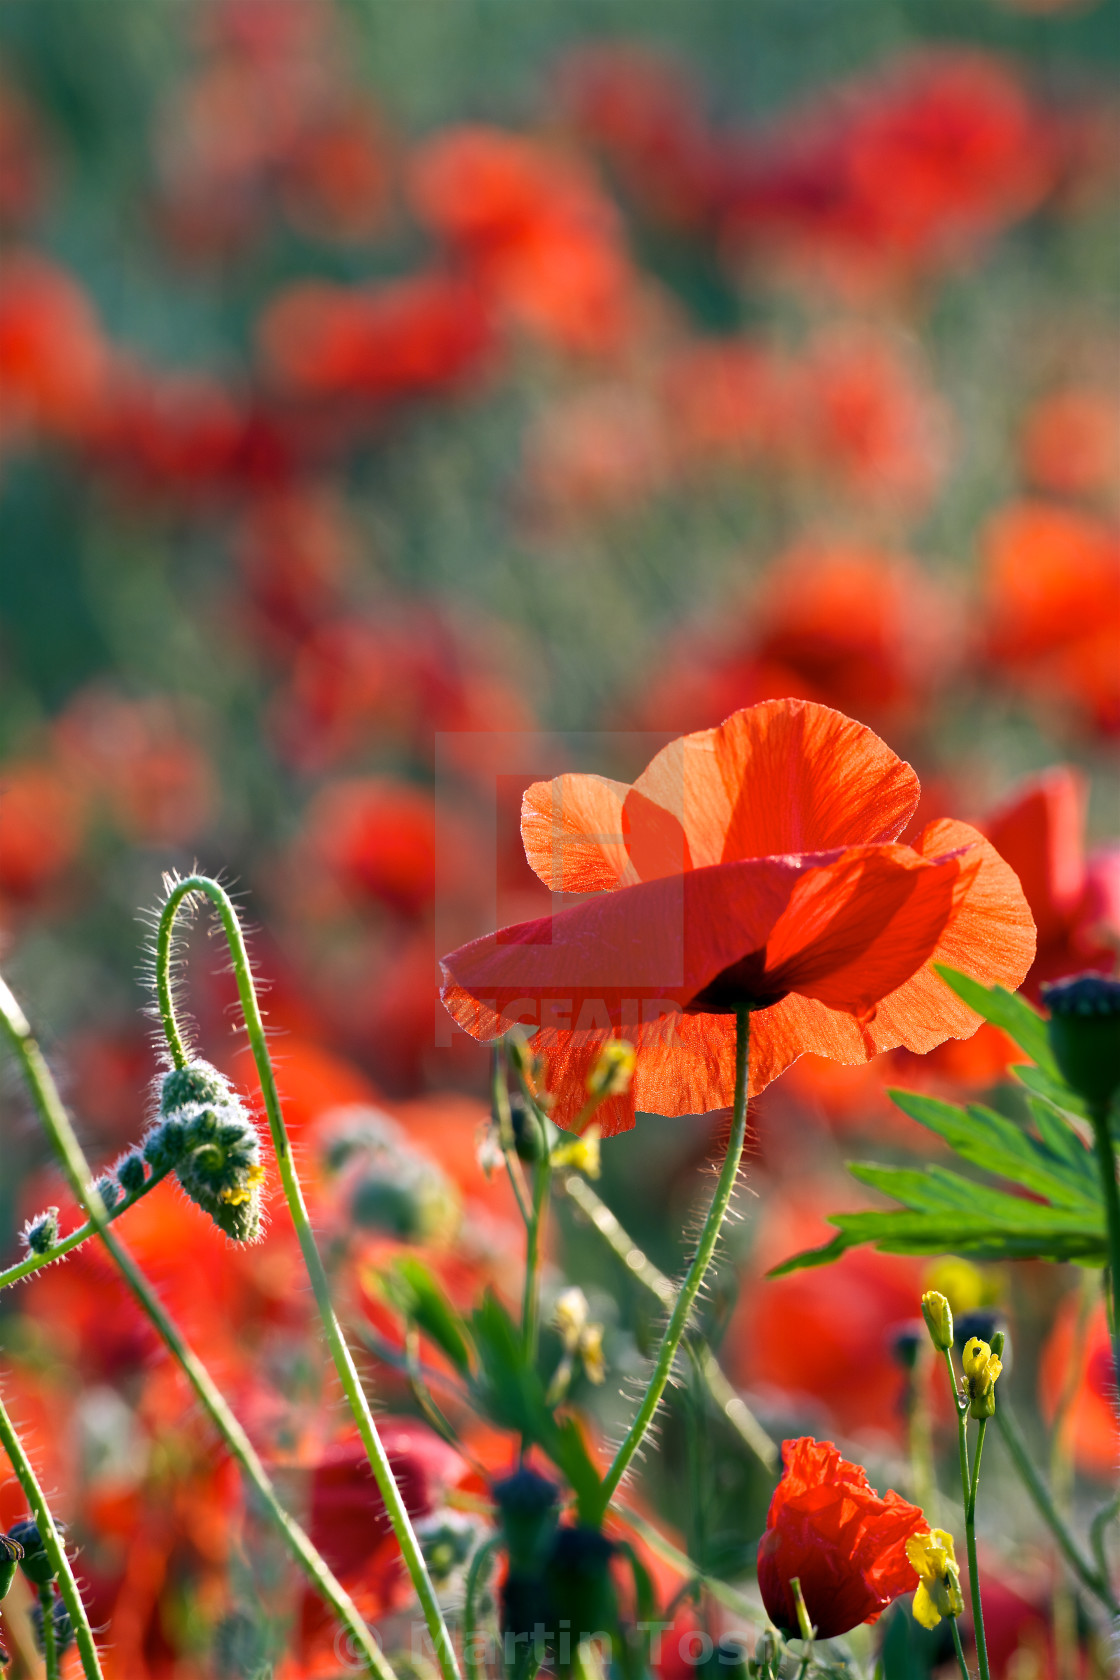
(109, 1191)
(939, 1320)
(63, 1627)
(131, 1175)
(1084, 1032)
(212, 1142)
(41, 1233)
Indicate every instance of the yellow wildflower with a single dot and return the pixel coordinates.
(939, 1589)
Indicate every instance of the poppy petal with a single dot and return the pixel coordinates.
(572, 831)
(784, 776)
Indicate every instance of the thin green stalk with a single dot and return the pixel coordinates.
(50, 1643)
(475, 1576)
(959, 1648)
(1106, 1161)
(52, 1543)
(1028, 1473)
(500, 1112)
(35, 1262)
(686, 1297)
(1107, 1514)
(962, 1420)
(395, 1506)
(727, 1398)
(56, 1123)
(973, 1566)
(531, 1298)
(804, 1626)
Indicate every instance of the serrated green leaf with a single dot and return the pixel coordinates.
(910, 1232)
(413, 1292)
(1050, 1086)
(1007, 1010)
(998, 1144)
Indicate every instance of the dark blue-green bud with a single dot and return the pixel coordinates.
(131, 1175)
(1084, 1031)
(35, 1563)
(41, 1233)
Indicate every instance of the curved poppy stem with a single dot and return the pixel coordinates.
(395, 1506)
(50, 1642)
(686, 1297)
(52, 1545)
(56, 1123)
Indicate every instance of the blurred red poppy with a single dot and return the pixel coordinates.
(1074, 899)
(752, 865)
(377, 838)
(827, 1526)
(1053, 606)
(41, 823)
(1092, 1423)
(1071, 443)
(53, 355)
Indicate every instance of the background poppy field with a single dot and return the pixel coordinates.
(382, 382)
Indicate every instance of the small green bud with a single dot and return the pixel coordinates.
(191, 1087)
(1084, 1032)
(109, 1191)
(211, 1140)
(163, 1145)
(11, 1552)
(41, 1233)
(939, 1319)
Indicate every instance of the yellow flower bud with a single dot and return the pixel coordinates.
(981, 1369)
(939, 1589)
(591, 1353)
(569, 1317)
(582, 1153)
(613, 1069)
(939, 1319)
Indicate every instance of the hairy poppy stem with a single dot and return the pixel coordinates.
(686, 1297)
(395, 1506)
(56, 1123)
(52, 1543)
(531, 1300)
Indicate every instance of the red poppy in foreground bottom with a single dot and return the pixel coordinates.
(827, 1526)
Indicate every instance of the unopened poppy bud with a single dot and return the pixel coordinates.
(10, 1554)
(130, 1173)
(41, 1233)
(527, 1505)
(613, 1069)
(1084, 1032)
(109, 1191)
(35, 1563)
(531, 1134)
(579, 1577)
(939, 1579)
(907, 1342)
(212, 1142)
(939, 1320)
(63, 1627)
(979, 1325)
(981, 1369)
(582, 1153)
(405, 1197)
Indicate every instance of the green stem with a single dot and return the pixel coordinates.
(1107, 1514)
(531, 1299)
(959, 1648)
(499, 1110)
(34, 1262)
(804, 1626)
(727, 1398)
(1024, 1463)
(962, 1435)
(475, 1578)
(56, 1123)
(686, 1297)
(1106, 1161)
(50, 1643)
(343, 1359)
(52, 1543)
(973, 1566)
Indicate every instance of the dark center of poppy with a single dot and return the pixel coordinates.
(742, 985)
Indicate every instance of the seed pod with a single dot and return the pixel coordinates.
(1084, 1033)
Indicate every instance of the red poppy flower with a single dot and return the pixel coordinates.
(827, 1526)
(750, 865)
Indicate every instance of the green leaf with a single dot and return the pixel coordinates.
(1052, 1087)
(512, 1395)
(1006, 1010)
(413, 1292)
(1001, 1146)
